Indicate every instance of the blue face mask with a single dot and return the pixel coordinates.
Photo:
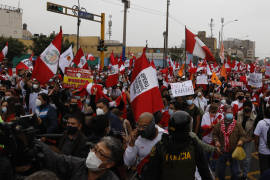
(229, 116)
(189, 102)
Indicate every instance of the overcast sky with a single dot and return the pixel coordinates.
(146, 19)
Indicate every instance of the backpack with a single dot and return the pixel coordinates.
(268, 135)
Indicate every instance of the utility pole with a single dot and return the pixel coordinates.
(221, 33)
(211, 27)
(110, 27)
(78, 26)
(167, 32)
(126, 6)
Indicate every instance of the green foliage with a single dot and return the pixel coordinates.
(15, 47)
(40, 43)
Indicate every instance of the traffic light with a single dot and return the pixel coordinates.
(54, 8)
(101, 46)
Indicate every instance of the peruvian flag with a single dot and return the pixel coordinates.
(153, 64)
(46, 64)
(80, 60)
(144, 90)
(121, 66)
(26, 64)
(196, 47)
(4, 52)
(112, 79)
(66, 59)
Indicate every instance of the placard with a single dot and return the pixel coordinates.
(236, 84)
(182, 89)
(267, 70)
(76, 78)
(202, 79)
(255, 79)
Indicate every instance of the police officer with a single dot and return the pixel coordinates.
(177, 155)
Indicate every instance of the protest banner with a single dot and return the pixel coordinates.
(182, 89)
(236, 84)
(267, 70)
(255, 79)
(76, 77)
(202, 79)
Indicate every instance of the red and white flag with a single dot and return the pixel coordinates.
(4, 52)
(26, 64)
(47, 63)
(80, 60)
(121, 66)
(221, 53)
(66, 59)
(112, 79)
(144, 90)
(196, 47)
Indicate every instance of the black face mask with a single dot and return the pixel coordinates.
(73, 107)
(216, 101)
(71, 130)
(240, 98)
(149, 132)
(2, 94)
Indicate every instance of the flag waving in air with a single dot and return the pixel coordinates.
(26, 64)
(144, 90)
(47, 63)
(113, 75)
(196, 47)
(4, 52)
(80, 59)
(66, 59)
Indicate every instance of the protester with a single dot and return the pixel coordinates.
(227, 135)
(261, 141)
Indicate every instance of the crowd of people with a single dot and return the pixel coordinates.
(92, 137)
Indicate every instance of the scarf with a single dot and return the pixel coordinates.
(227, 133)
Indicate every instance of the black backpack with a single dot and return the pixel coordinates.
(268, 135)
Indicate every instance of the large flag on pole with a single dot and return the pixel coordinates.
(25, 64)
(144, 90)
(221, 53)
(4, 52)
(66, 59)
(47, 63)
(196, 47)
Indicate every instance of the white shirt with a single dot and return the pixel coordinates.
(133, 155)
(261, 131)
(200, 103)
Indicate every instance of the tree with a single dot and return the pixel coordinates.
(41, 42)
(15, 47)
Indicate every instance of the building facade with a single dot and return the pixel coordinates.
(246, 47)
(11, 21)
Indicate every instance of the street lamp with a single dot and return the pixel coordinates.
(164, 48)
(223, 25)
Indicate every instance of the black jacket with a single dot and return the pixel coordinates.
(78, 147)
(68, 167)
(170, 160)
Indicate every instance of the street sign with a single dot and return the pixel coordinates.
(86, 15)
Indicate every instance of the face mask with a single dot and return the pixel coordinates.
(71, 130)
(199, 94)
(171, 112)
(38, 102)
(4, 109)
(35, 86)
(216, 101)
(7, 97)
(223, 101)
(99, 111)
(87, 101)
(189, 102)
(240, 98)
(149, 132)
(93, 162)
(229, 116)
(2, 93)
(266, 99)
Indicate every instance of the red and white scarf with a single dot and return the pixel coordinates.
(227, 133)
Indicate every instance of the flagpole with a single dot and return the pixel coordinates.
(185, 51)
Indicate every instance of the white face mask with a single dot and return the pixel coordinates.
(93, 162)
(171, 112)
(266, 99)
(99, 111)
(199, 94)
(87, 101)
(35, 86)
(223, 101)
(38, 102)
(4, 109)
(7, 97)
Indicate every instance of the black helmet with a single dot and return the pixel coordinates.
(179, 123)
